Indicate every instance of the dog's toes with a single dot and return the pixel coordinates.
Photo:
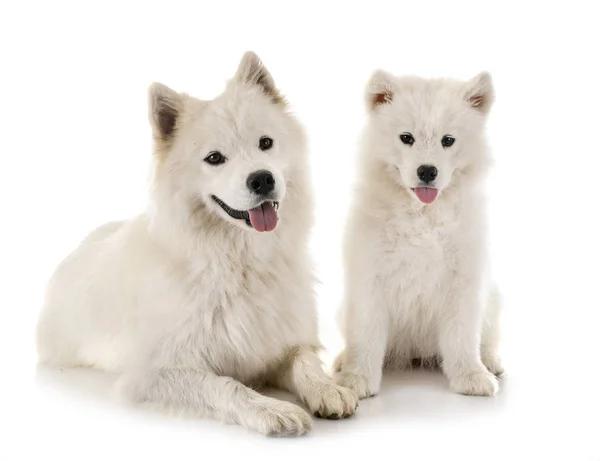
(284, 419)
(494, 365)
(360, 385)
(483, 383)
(333, 402)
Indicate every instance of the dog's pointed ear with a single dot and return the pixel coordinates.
(479, 92)
(252, 72)
(164, 109)
(380, 89)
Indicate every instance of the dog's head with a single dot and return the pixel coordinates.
(231, 156)
(427, 132)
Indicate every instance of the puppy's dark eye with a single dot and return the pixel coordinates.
(407, 138)
(215, 158)
(447, 141)
(265, 143)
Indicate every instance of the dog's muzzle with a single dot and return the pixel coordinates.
(262, 218)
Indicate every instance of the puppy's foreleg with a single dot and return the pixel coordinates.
(360, 366)
(303, 375)
(491, 334)
(459, 342)
(224, 398)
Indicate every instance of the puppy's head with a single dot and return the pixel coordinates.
(230, 157)
(427, 133)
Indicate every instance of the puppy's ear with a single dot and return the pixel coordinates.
(164, 109)
(252, 72)
(479, 92)
(380, 89)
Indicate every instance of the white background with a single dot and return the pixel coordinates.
(75, 150)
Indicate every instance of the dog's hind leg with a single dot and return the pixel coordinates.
(302, 374)
(490, 334)
(224, 398)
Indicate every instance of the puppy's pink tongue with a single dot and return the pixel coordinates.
(263, 218)
(426, 194)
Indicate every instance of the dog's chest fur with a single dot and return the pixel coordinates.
(243, 314)
(421, 243)
(421, 256)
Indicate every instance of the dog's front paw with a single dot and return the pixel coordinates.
(361, 385)
(481, 383)
(283, 419)
(493, 364)
(332, 402)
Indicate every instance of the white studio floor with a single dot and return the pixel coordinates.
(73, 415)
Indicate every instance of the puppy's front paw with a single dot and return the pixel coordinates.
(361, 385)
(493, 364)
(283, 419)
(332, 402)
(482, 383)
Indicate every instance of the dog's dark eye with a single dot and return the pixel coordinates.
(215, 158)
(265, 143)
(407, 138)
(447, 141)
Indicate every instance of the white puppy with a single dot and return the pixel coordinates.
(209, 293)
(417, 283)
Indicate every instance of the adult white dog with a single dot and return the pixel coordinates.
(416, 265)
(209, 293)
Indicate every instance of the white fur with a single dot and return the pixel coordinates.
(417, 279)
(193, 308)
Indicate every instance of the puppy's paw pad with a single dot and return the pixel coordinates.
(359, 384)
(494, 365)
(333, 402)
(284, 419)
(483, 383)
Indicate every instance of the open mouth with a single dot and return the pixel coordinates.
(425, 194)
(262, 218)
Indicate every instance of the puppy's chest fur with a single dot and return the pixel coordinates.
(242, 323)
(421, 257)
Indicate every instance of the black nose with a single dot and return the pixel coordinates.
(261, 182)
(427, 173)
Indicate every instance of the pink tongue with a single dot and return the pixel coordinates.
(426, 194)
(263, 218)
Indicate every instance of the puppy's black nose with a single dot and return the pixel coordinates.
(427, 173)
(261, 182)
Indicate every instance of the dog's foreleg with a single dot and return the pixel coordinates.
(366, 332)
(459, 342)
(302, 374)
(491, 334)
(224, 398)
